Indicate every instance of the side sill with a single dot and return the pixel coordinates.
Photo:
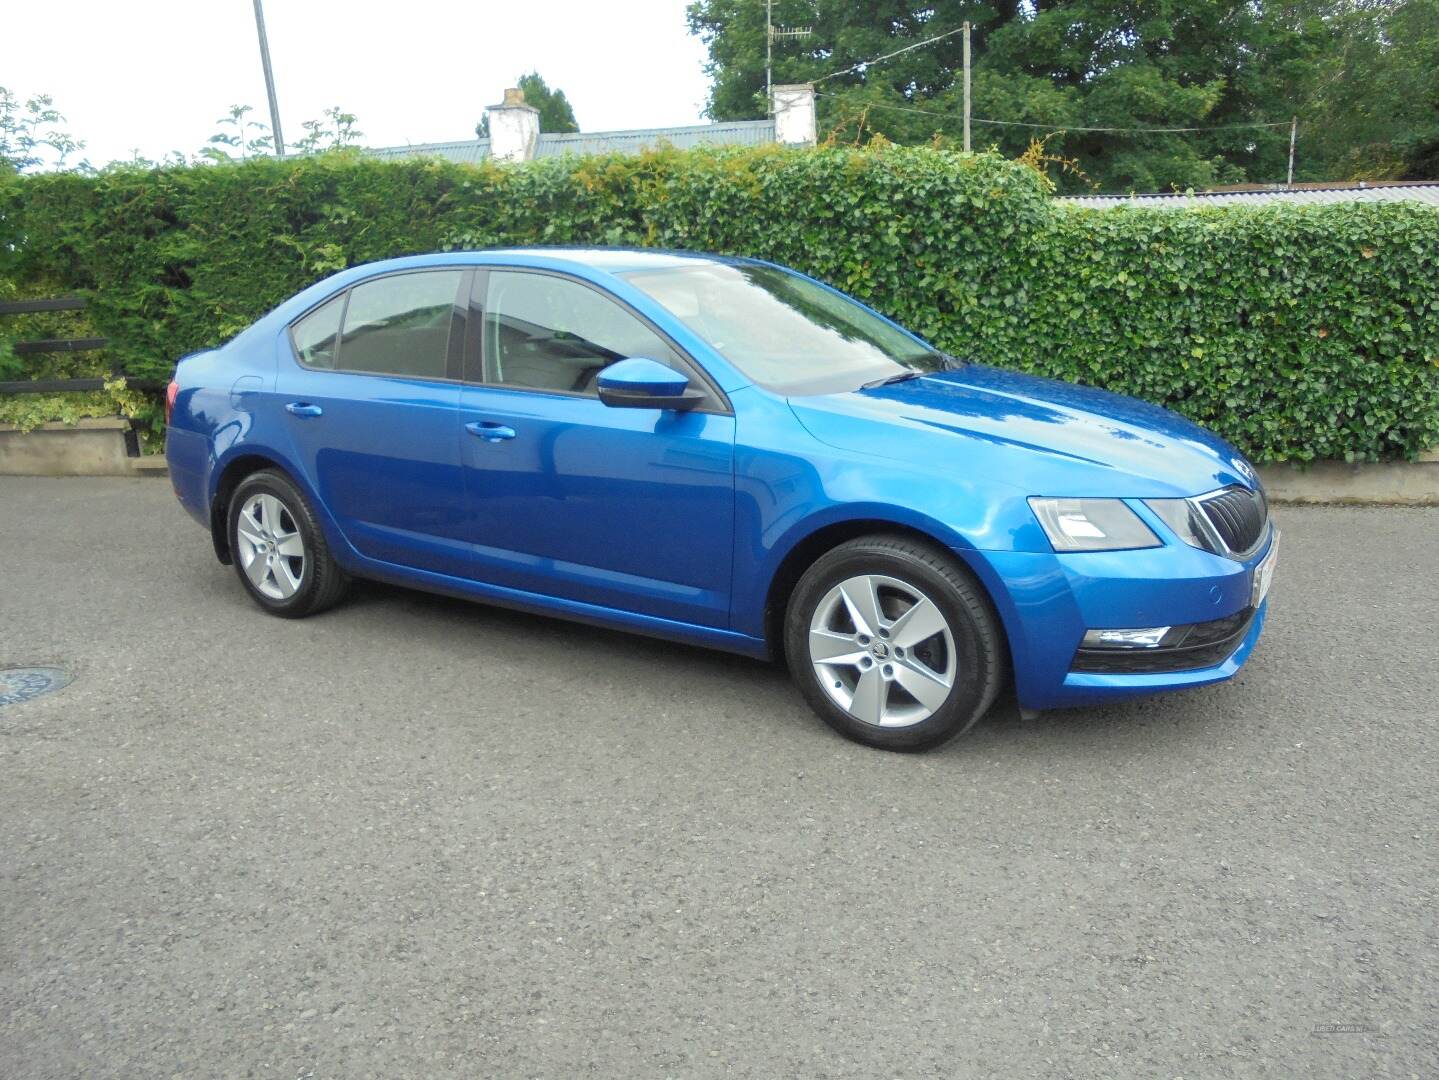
(574, 610)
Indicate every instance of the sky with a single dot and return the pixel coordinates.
(155, 75)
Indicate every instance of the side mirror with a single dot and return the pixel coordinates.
(638, 383)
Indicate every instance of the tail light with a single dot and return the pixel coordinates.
(171, 392)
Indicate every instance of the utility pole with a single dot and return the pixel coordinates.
(966, 85)
(768, 55)
(269, 81)
(1293, 135)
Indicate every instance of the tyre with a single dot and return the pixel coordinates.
(893, 643)
(278, 549)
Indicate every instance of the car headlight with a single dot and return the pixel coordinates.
(1181, 516)
(1092, 525)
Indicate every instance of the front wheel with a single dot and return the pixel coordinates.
(893, 644)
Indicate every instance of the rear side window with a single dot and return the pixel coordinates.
(402, 324)
(317, 335)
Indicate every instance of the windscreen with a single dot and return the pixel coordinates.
(785, 332)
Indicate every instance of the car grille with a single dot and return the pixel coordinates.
(1238, 517)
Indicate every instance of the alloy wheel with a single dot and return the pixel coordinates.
(270, 547)
(882, 650)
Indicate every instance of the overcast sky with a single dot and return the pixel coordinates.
(154, 75)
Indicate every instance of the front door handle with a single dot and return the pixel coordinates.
(303, 408)
(490, 431)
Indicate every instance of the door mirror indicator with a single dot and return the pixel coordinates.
(639, 383)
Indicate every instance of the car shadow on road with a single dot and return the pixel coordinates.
(1169, 722)
(444, 619)
(451, 614)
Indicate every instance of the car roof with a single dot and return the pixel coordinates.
(616, 259)
(605, 260)
(585, 262)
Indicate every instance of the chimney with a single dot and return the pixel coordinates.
(793, 107)
(514, 128)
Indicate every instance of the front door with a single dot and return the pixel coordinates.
(624, 508)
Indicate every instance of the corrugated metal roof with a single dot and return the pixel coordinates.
(471, 152)
(1422, 191)
(732, 133)
(554, 144)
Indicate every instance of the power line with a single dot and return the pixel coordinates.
(1138, 130)
(1071, 127)
(886, 56)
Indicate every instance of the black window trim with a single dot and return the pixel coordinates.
(455, 350)
(477, 363)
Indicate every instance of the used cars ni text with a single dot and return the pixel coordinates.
(724, 452)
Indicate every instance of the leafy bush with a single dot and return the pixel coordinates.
(1299, 332)
(29, 411)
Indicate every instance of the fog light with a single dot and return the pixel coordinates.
(1143, 638)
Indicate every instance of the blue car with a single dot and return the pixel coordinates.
(724, 452)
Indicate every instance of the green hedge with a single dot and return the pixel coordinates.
(1299, 332)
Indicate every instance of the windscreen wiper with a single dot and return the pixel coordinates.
(903, 376)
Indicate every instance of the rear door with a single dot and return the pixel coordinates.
(371, 401)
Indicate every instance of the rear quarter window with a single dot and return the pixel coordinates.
(317, 335)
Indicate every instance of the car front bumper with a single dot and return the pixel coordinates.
(1047, 601)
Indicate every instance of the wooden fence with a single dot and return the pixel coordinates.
(59, 345)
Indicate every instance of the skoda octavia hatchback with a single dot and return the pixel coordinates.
(724, 452)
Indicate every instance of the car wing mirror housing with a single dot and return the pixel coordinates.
(640, 383)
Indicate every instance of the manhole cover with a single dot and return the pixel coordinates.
(23, 683)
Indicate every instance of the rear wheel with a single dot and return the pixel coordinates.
(893, 644)
(278, 549)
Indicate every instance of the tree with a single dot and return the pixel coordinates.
(555, 111)
(1225, 66)
(334, 131)
(1372, 107)
(245, 135)
(27, 132)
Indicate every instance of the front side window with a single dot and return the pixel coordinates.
(784, 331)
(547, 333)
(402, 324)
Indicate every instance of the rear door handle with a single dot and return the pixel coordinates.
(490, 430)
(303, 408)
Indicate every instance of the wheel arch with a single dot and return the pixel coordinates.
(227, 479)
(808, 548)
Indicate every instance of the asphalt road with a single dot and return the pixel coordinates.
(417, 837)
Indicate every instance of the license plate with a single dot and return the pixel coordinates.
(1264, 573)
